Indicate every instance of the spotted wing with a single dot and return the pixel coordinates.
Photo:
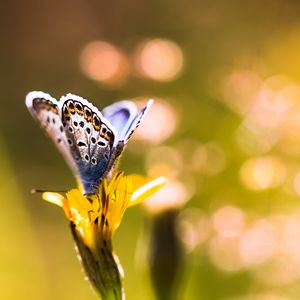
(90, 138)
(45, 109)
(90, 143)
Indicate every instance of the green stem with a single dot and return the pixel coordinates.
(100, 266)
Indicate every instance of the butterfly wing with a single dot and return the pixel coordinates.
(125, 117)
(45, 109)
(135, 123)
(79, 131)
(120, 115)
(90, 138)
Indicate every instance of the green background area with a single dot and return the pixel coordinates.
(40, 49)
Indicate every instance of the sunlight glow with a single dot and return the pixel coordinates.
(229, 221)
(194, 228)
(209, 159)
(263, 173)
(105, 63)
(159, 59)
(258, 243)
(224, 253)
(172, 195)
(163, 161)
(297, 183)
(159, 123)
(238, 89)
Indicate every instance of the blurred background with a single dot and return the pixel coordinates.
(225, 130)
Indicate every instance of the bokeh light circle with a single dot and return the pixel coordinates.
(159, 123)
(172, 196)
(263, 173)
(159, 59)
(229, 221)
(103, 62)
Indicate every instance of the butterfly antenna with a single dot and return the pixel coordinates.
(35, 191)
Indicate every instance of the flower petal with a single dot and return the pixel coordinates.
(147, 190)
(54, 198)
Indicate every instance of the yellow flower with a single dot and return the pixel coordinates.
(94, 219)
(102, 213)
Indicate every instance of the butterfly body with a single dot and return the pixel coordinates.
(89, 140)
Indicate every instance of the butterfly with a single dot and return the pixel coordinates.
(90, 141)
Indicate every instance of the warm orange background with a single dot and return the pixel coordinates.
(225, 130)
